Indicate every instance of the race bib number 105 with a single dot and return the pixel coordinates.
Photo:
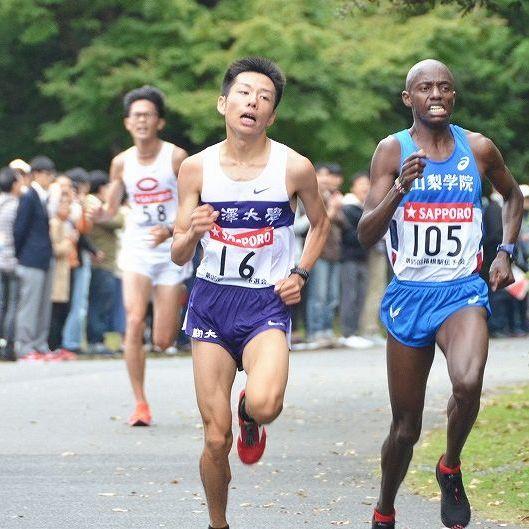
(436, 233)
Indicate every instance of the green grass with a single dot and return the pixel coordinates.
(495, 460)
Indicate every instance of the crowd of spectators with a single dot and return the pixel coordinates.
(60, 287)
(60, 290)
(340, 302)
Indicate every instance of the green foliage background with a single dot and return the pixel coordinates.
(67, 65)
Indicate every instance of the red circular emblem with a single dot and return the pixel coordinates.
(147, 184)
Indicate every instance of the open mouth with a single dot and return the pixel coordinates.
(248, 119)
(437, 109)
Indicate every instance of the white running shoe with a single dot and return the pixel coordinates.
(357, 342)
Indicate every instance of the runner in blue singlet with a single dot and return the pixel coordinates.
(425, 198)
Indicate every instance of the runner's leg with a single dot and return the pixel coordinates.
(408, 369)
(166, 309)
(136, 294)
(463, 338)
(265, 360)
(214, 371)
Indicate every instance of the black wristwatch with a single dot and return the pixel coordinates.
(509, 249)
(301, 272)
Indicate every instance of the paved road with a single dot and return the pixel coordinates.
(69, 461)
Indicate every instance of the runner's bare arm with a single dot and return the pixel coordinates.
(384, 198)
(116, 188)
(492, 165)
(192, 220)
(301, 182)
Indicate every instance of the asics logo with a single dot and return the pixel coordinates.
(274, 323)
(394, 313)
(463, 163)
(473, 300)
(256, 192)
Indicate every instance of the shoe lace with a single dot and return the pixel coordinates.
(454, 486)
(251, 433)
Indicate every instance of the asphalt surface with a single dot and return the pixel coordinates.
(68, 460)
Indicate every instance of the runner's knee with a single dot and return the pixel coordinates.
(468, 387)
(218, 443)
(406, 432)
(264, 408)
(163, 342)
(135, 322)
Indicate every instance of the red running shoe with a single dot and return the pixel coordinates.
(64, 354)
(33, 356)
(251, 442)
(141, 415)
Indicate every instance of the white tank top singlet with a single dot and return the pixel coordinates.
(252, 243)
(152, 195)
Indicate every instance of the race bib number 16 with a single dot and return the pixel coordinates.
(245, 256)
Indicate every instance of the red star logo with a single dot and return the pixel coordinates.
(411, 212)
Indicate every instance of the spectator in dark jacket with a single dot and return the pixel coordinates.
(354, 269)
(34, 253)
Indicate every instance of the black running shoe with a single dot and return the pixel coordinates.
(382, 525)
(455, 507)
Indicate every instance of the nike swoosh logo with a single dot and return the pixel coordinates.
(473, 300)
(255, 192)
(270, 322)
(394, 313)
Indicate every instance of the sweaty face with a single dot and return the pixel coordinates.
(143, 121)
(249, 105)
(431, 94)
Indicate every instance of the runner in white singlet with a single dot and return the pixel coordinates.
(239, 197)
(147, 173)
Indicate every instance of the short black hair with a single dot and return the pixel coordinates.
(98, 179)
(318, 166)
(258, 65)
(8, 177)
(78, 175)
(335, 168)
(150, 93)
(42, 163)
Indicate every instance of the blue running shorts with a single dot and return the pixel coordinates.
(413, 311)
(231, 315)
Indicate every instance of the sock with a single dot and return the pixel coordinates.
(447, 470)
(242, 412)
(384, 518)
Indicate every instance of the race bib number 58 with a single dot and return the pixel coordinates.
(436, 233)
